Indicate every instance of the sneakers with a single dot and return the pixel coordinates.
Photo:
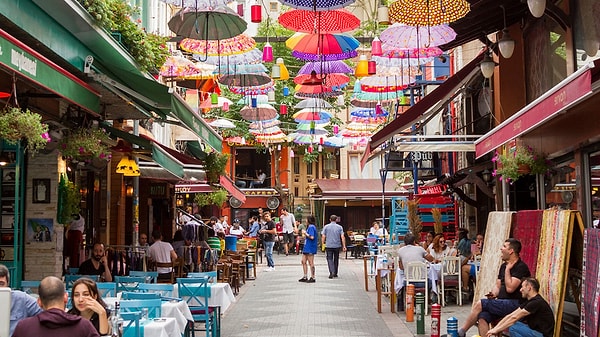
(311, 280)
(270, 269)
(330, 276)
(304, 279)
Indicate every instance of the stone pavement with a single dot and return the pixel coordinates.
(276, 304)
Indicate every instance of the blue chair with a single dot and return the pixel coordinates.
(212, 275)
(30, 287)
(129, 283)
(70, 279)
(127, 295)
(153, 305)
(107, 289)
(195, 292)
(149, 275)
(131, 323)
(73, 271)
(163, 289)
(372, 244)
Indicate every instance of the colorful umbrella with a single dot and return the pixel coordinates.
(207, 24)
(247, 100)
(310, 21)
(308, 129)
(252, 56)
(301, 139)
(322, 43)
(265, 131)
(253, 91)
(369, 112)
(276, 136)
(245, 80)
(308, 115)
(178, 66)
(400, 62)
(235, 45)
(331, 80)
(415, 53)
(317, 5)
(260, 113)
(265, 124)
(427, 12)
(325, 67)
(241, 69)
(334, 141)
(222, 123)
(207, 103)
(365, 99)
(302, 95)
(321, 57)
(313, 103)
(399, 36)
(377, 83)
(313, 89)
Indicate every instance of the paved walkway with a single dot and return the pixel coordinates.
(276, 304)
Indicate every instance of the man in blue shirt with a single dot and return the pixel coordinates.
(21, 305)
(309, 250)
(254, 227)
(333, 237)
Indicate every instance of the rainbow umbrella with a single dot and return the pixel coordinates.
(307, 128)
(317, 5)
(322, 43)
(308, 115)
(310, 21)
(427, 12)
(235, 45)
(325, 67)
(301, 139)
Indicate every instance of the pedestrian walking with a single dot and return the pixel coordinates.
(333, 237)
(309, 250)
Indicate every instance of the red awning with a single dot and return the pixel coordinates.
(228, 184)
(561, 97)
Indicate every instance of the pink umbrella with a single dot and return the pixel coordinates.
(235, 45)
(309, 21)
(399, 36)
(331, 80)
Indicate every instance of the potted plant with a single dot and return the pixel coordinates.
(217, 197)
(17, 124)
(521, 161)
(85, 145)
(214, 165)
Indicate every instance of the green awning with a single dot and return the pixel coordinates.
(193, 147)
(182, 111)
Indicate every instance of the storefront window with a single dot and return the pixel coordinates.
(595, 186)
(561, 187)
(586, 30)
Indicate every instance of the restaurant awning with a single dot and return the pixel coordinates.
(183, 187)
(566, 94)
(357, 189)
(228, 185)
(150, 170)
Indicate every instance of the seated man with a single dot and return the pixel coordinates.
(532, 318)
(22, 305)
(412, 251)
(505, 297)
(97, 264)
(162, 252)
(260, 179)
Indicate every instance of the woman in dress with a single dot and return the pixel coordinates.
(438, 248)
(88, 304)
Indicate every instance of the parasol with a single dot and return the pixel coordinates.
(325, 67)
(368, 113)
(317, 5)
(399, 36)
(330, 80)
(276, 136)
(265, 131)
(264, 124)
(365, 99)
(245, 80)
(247, 100)
(254, 90)
(322, 43)
(309, 21)
(307, 115)
(400, 62)
(304, 128)
(414, 53)
(301, 139)
(251, 56)
(381, 83)
(222, 123)
(236, 45)
(334, 141)
(333, 93)
(321, 57)
(208, 23)
(207, 104)
(241, 68)
(260, 113)
(178, 66)
(427, 12)
(314, 103)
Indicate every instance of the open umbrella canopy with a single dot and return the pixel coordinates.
(251, 56)
(317, 5)
(247, 100)
(178, 66)
(324, 57)
(245, 80)
(380, 83)
(414, 53)
(301, 139)
(322, 43)
(254, 90)
(400, 62)
(313, 103)
(399, 36)
(207, 103)
(308, 115)
(307, 128)
(260, 113)
(208, 23)
(236, 45)
(427, 12)
(222, 123)
(265, 131)
(310, 21)
(325, 67)
(330, 80)
(265, 124)
(369, 112)
(241, 69)
(334, 141)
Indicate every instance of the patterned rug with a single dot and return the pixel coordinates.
(498, 229)
(590, 294)
(526, 229)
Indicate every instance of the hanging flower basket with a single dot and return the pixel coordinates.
(23, 125)
(85, 145)
(523, 160)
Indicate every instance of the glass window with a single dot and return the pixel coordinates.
(586, 31)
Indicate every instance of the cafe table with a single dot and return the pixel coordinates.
(221, 295)
(433, 274)
(161, 327)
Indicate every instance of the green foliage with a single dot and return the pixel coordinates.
(217, 197)
(85, 144)
(214, 165)
(511, 165)
(17, 124)
(149, 50)
(310, 157)
(70, 201)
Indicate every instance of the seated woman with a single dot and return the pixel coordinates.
(438, 248)
(88, 304)
(377, 230)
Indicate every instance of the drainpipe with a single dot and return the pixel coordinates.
(136, 197)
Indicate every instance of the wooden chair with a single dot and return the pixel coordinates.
(163, 289)
(195, 292)
(129, 283)
(150, 275)
(451, 278)
(170, 278)
(107, 289)
(131, 323)
(153, 305)
(416, 273)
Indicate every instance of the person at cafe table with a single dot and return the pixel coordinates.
(162, 252)
(97, 264)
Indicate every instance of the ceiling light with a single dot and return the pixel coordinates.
(506, 44)
(487, 66)
(537, 7)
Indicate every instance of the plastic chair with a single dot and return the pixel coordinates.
(70, 279)
(372, 245)
(451, 278)
(73, 271)
(126, 295)
(195, 292)
(107, 289)
(29, 286)
(163, 289)
(212, 275)
(149, 275)
(131, 324)
(153, 305)
(416, 273)
(129, 283)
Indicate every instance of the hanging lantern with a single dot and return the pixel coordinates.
(278, 147)
(283, 109)
(340, 100)
(284, 73)
(240, 9)
(372, 68)
(271, 96)
(254, 102)
(310, 149)
(320, 148)
(376, 47)
(256, 13)
(383, 15)
(214, 98)
(276, 72)
(267, 53)
(362, 68)
(286, 91)
(357, 89)
(336, 129)
(321, 140)
(225, 106)
(292, 153)
(243, 141)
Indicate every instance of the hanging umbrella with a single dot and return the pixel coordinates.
(414, 53)
(301, 139)
(369, 112)
(236, 45)
(260, 113)
(222, 123)
(254, 90)
(178, 66)
(330, 80)
(365, 99)
(302, 95)
(313, 103)
(317, 5)
(427, 12)
(249, 57)
(324, 57)
(325, 67)
(247, 100)
(322, 43)
(198, 3)
(207, 103)
(307, 115)
(241, 69)
(399, 36)
(309, 21)
(245, 80)
(334, 141)
(265, 131)
(377, 83)
(274, 135)
(264, 124)
(308, 128)
(400, 62)
(207, 24)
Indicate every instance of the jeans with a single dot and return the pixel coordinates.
(333, 259)
(269, 252)
(520, 329)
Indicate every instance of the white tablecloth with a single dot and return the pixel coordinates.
(433, 273)
(162, 327)
(221, 295)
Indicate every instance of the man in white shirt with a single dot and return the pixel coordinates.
(288, 222)
(260, 179)
(162, 252)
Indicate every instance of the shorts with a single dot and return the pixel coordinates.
(288, 237)
(492, 310)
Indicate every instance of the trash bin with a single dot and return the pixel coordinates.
(231, 242)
